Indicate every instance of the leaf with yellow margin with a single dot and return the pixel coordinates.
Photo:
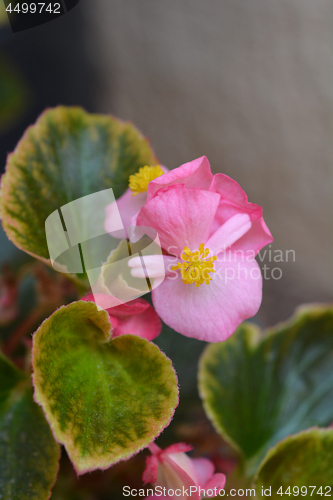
(104, 399)
(66, 155)
(259, 388)
(302, 463)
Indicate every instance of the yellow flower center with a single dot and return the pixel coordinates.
(195, 267)
(138, 183)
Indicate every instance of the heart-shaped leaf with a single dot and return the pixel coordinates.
(300, 465)
(105, 400)
(68, 154)
(29, 455)
(258, 390)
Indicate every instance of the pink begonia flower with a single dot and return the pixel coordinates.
(181, 476)
(134, 197)
(136, 317)
(210, 235)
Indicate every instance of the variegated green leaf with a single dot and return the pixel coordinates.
(258, 389)
(29, 454)
(104, 399)
(300, 464)
(66, 155)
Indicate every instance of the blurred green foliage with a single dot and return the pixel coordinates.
(14, 93)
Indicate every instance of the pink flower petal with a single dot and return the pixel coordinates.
(114, 323)
(204, 469)
(234, 201)
(178, 448)
(146, 324)
(127, 205)
(154, 449)
(211, 312)
(194, 174)
(153, 266)
(173, 470)
(171, 475)
(255, 239)
(233, 229)
(182, 217)
(217, 481)
(231, 193)
(186, 464)
(119, 309)
(102, 300)
(136, 306)
(150, 472)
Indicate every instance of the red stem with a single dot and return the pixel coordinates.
(23, 329)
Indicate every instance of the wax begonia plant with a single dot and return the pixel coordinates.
(91, 378)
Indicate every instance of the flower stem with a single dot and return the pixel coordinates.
(22, 330)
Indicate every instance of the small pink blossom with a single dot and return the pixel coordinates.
(210, 235)
(136, 317)
(173, 470)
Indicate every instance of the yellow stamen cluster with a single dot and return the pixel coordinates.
(196, 267)
(138, 183)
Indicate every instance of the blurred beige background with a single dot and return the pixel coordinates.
(249, 84)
